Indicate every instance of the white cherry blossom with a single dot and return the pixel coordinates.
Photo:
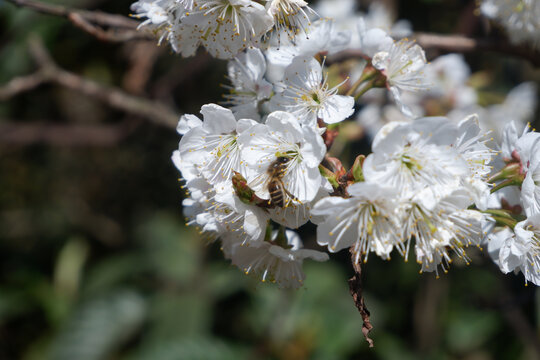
(282, 136)
(307, 95)
(367, 221)
(412, 156)
(324, 38)
(519, 250)
(290, 16)
(212, 146)
(249, 87)
(403, 66)
(439, 227)
(275, 262)
(530, 189)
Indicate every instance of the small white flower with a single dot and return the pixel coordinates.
(223, 27)
(282, 136)
(471, 144)
(290, 16)
(323, 38)
(412, 156)
(440, 226)
(403, 66)
(308, 96)
(212, 146)
(530, 189)
(280, 263)
(249, 88)
(157, 12)
(366, 221)
(520, 250)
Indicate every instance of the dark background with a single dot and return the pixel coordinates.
(96, 263)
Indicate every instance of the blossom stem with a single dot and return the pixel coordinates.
(511, 171)
(281, 238)
(502, 217)
(365, 89)
(368, 74)
(509, 182)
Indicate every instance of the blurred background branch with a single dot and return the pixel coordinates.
(437, 44)
(49, 72)
(120, 28)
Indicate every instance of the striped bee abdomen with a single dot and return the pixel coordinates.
(277, 193)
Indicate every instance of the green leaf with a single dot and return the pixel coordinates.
(99, 327)
(171, 249)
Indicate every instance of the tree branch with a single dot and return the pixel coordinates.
(120, 28)
(21, 134)
(459, 44)
(462, 44)
(49, 72)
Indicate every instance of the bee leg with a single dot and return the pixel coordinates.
(293, 198)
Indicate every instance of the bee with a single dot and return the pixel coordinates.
(276, 188)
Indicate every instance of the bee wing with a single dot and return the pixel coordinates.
(259, 184)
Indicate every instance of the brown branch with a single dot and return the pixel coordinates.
(459, 44)
(355, 288)
(49, 72)
(22, 84)
(21, 134)
(120, 28)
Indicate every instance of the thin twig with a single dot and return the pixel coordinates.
(355, 288)
(120, 28)
(49, 72)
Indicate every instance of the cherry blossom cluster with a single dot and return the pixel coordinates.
(261, 164)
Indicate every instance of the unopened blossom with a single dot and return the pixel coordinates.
(282, 136)
(273, 261)
(403, 66)
(366, 221)
(212, 146)
(308, 96)
(249, 87)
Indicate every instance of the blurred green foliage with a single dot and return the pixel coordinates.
(96, 263)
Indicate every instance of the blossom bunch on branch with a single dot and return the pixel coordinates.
(262, 164)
